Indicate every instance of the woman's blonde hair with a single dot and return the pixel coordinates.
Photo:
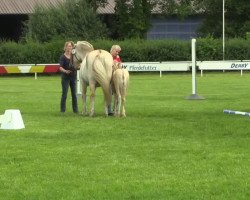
(66, 44)
(115, 47)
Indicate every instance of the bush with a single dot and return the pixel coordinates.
(73, 19)
(132, 50)
(209, 49)
(237, 49)
(248, 35)
(30, 52)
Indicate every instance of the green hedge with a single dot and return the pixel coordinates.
(30, 53)
(132, 50)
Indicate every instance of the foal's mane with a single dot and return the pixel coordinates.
(116, 66)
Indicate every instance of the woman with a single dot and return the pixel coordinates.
(68, 78)
(115, 50)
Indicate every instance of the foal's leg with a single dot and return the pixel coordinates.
(123, 96)
(107, 105)
(115, 104)
(117, 93)
(123, 112)
(118, 103)
(92, 99)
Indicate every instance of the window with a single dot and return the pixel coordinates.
(174, 29)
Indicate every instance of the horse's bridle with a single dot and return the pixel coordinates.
(73, 52)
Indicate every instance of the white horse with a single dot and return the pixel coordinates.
(120, 81)
(95, 70)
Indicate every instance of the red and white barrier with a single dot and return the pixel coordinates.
(29, 68)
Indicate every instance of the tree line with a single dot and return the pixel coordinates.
(79, 19)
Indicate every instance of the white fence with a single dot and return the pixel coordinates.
(239, 65)
(174, 66)
(157, 66)
(224, 65)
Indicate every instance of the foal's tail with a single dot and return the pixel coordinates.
(125, 81)
(102, 78)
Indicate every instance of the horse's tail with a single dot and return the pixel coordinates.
(125, 79)
(102, 78)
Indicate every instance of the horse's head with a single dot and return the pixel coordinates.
(79, 52)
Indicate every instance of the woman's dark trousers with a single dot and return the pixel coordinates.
(66, 82)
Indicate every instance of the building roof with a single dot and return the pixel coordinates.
(28, 6)
(108, 9)
(24, 6)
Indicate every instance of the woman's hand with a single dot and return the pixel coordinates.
(67, 71)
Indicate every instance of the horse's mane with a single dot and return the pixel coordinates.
(83, 48)
(86, 47)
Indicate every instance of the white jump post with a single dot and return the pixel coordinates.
(78, 84)
(233, 112)
(11, 119)
(194, 96)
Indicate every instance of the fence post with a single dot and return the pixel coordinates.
(194, 96)
(78, 84)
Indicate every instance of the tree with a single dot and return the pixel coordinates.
(97, 3)
(132, 18)
(237, 15)
(73, 19)
(180, 8)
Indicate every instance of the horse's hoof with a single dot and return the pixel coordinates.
(110, 114)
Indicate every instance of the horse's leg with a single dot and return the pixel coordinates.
(119, 104)
(92, 99)
(115, 104)
(118, 109)
(107, 106)
(123, 113)
(123, 97)
(84, 98)
(116, 95)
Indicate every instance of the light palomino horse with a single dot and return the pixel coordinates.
(95, 70)
(120, 81)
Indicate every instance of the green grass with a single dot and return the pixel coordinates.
(167, 147)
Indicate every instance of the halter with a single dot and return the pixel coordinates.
(73, 52)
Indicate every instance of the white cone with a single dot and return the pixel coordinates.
(12, 119)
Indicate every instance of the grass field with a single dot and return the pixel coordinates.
(167, 147)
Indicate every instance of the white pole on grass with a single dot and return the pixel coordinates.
(223, 29)
(78, 85)
(194, 95)
(193, 41)
(233, 112)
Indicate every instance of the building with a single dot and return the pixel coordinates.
(13, 13)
